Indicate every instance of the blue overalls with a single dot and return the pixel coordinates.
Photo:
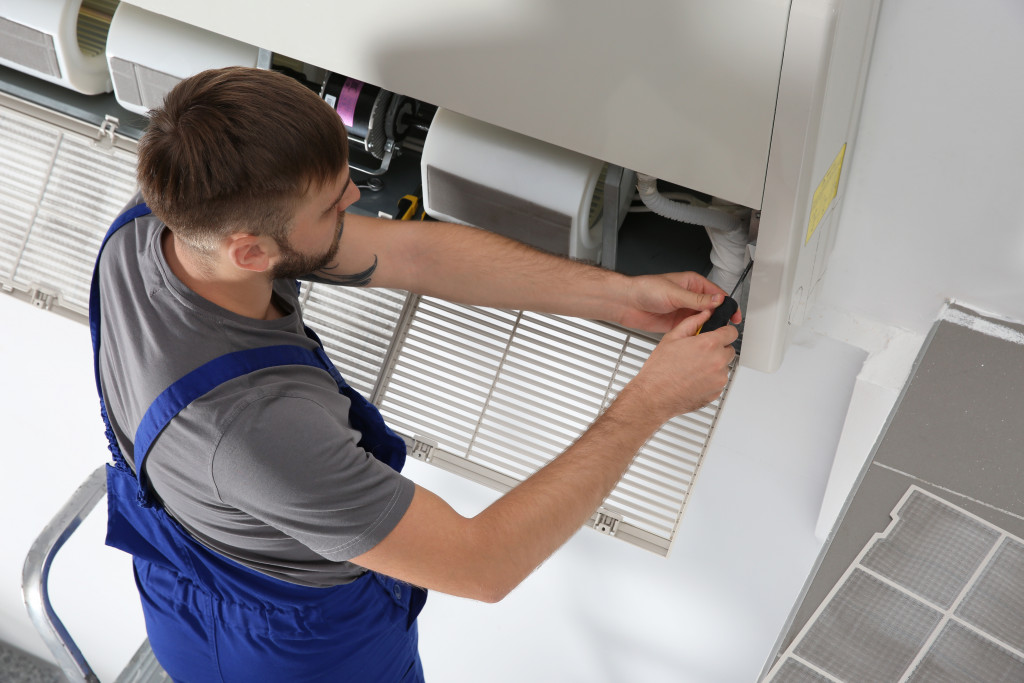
(209, 618)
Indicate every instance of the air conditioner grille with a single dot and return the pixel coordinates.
(356, 326)
(500, 394)
(28, 47)
(27, 151)
(15, 217)
(140, 85)
(444, 373)
(59, 192)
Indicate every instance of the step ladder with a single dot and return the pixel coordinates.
(143, 667)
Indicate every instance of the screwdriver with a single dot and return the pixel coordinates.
(725, 310)
(720, 316)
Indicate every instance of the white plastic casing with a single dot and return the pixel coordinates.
(58, 19)
(530, 175)
(172, 49)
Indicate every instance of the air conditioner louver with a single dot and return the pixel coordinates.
(356, 326)
(497, 394)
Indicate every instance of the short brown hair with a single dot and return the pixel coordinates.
(234, 150)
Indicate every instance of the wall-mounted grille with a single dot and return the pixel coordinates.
(492, 395)
(495, 395)
(28, 47)
(58, 193)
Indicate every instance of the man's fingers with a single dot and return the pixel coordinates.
(689, 325)
(698, 301)
(726, 334)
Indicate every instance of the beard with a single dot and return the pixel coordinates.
(294, 264)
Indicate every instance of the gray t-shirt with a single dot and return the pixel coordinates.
(264, 469)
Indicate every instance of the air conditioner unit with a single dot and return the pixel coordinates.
(149, 54)
(61, 41)
(754, 104)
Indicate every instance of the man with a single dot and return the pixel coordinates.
(274, 538)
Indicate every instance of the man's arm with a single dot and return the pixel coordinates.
(486, 556)
(472, 266)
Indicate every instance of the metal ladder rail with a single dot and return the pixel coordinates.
(143, 667)
(36, 573)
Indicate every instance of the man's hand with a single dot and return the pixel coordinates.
(659, 303)
(486, 556)
(686, 371)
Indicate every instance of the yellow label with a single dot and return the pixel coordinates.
(826, 192)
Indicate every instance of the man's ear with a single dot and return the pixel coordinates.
(250, 252)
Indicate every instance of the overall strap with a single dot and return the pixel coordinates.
(377, 437)
(94, 289)
(207, 377)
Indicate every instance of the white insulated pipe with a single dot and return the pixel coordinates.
(728, 239)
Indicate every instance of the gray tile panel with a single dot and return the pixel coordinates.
(933, 550)
(874, 627)
(995, 603)
(963, 378)
(868, 631)
(959, 655)
(959, 425)
(793, 671)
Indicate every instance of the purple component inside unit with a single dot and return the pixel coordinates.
(347, 99)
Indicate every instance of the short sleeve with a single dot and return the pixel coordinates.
(292, 461)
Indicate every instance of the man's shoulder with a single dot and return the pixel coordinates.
(125, 249)
(303, 398)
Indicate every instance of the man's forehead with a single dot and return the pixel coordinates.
(330, 187)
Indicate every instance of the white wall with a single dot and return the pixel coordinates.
(929, 213)
(53, 438)
(933, 206)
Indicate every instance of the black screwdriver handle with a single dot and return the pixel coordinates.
(720, 316)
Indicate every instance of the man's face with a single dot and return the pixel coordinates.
(312, 242)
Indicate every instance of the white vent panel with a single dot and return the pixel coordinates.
(27, 150)
(500, 394)
(86, 189)
(444, 372)
(15, 219)
(356, 326)
(58, 193)
(551, 387)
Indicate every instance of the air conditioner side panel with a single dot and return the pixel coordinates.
(823, 76)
